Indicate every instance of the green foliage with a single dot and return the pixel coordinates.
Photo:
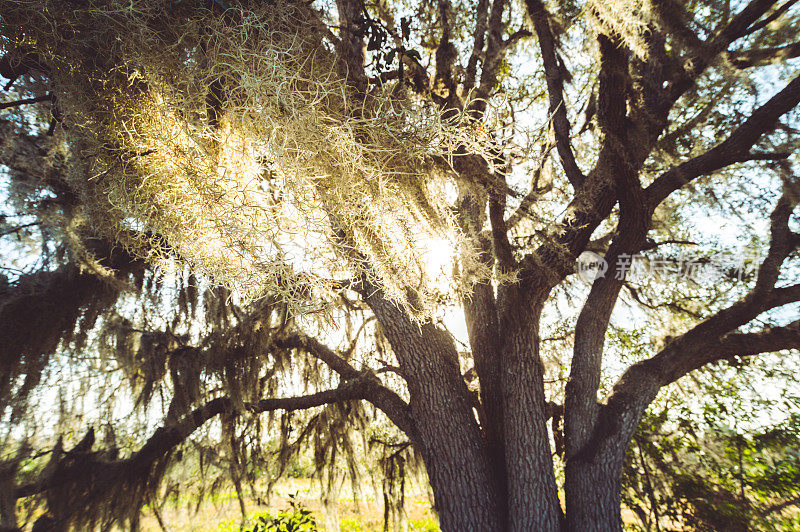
(297, 518)
(354, 524)
(351, 524)
(697, 470)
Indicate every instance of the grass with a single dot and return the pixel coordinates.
(220, 513)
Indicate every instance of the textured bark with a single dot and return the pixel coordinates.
(480, 313)
(602, 479)
(555, 88)
(451, 444)
(481, 316)
(351, 46)
(532, 495)
(592, 499)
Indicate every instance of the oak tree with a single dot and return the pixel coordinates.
(303, 169)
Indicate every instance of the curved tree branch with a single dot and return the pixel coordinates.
(391, 404)
(761, 24)
(710, 340)
(736, 148)
(763, 56)
(555, 87)
(166, 438)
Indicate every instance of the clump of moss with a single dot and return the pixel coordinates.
(232, 140)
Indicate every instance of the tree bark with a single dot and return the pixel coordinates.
(532, 495)
(452, 448)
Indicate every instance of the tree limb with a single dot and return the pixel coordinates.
(166, 438)
(319, 350)
(25, 101)
(555, 88)
(493, 54)
(391, 404)
(703, 53)
(481, 16)
(675, 18)
(732, 150)
(740, 24)
(763, 56)
(351, 44)
(710, 340)
(772, 17)
(764, 341)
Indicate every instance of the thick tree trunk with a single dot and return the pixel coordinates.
(451, 444)
(532, 495)
(593, 500)
(594, 472)
(481, 313)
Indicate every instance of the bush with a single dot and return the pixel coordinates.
(296, 519)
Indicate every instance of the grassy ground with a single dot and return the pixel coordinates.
(223, 513)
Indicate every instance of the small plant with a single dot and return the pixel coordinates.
(297, 518)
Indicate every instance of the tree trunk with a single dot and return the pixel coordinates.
(594, 472)
(593, 497)
(532, 495)
(450, 443)
(481, 314)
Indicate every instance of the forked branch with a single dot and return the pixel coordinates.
(734, 149)
(391, 404)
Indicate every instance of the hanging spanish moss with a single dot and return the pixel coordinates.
(626, 20)
(233, 142)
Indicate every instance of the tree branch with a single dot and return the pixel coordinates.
(710, 340)
(493, 54)
(674, 17)
(763, 56)
(673, 306)
(481, 17)
(580, 401)
(704, 52)
(555, 88)
(501, 245)
(357, 388)
(25, 101)
(761, 298)
(166, 438)
(319, 350)
(515, 37)
(740, 24)
(446, 55)
(351, 45)
(732, 150)
(391, 404)
(772, 17)
(784, 296)
(765, 341)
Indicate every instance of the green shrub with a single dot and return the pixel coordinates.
(296, 519)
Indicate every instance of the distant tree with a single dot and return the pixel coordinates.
(222, 209)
